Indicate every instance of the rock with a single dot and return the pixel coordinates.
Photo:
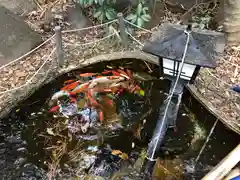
(121, 5)
(76, 18)
(19, 6)
(16, 37)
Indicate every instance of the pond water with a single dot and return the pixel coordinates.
(29, 149)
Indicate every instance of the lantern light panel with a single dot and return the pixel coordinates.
(172, 68)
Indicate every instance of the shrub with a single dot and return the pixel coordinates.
(103, 11)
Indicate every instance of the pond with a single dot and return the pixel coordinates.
(36, 144)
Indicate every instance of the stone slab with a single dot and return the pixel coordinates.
(76, 18)
(19, 6)
(16, 37)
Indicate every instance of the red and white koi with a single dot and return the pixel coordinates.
(106, 81)
(59, 94)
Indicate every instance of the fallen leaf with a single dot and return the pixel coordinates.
(123, 156)
(236, 72)
(116, 152)
(50, 131)
(20, 74)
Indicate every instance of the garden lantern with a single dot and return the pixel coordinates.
(181, 51)
(168, 45)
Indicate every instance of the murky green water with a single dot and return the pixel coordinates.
(27, 151)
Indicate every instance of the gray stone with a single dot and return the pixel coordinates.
(76, 18)
(121, 5)
(16, 37)
(19, 6)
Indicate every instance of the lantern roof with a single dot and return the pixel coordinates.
(203, 49)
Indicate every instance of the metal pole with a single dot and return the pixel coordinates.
(59, 47)
(123, 33)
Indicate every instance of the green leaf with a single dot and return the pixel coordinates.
(81, 2)
(96, 1)
(111, 14)
(100, 2)
(101, 17)
(139, 8)
(85, 3)
(97, 14)
(131, 17)
(145, 9)
(140, 22)
(90, 2)
(146, 17)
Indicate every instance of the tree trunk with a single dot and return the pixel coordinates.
(231, 20)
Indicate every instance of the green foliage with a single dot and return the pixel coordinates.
(201, 22)
(140, 16)
(103, 11)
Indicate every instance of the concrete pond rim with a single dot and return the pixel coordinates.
(24, 93)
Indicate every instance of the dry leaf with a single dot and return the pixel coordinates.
(236, 72)
(116, 152)
(123, 156)
(50, 131)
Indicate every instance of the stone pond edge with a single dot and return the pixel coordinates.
(24, 93)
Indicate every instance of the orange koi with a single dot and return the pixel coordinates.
(71, 86)
(113, 77)
(54, 109)
(80, 88)
(87, 74)
(68, 81)
(99, 76)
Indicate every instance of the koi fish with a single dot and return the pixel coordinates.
(108, 80)
(123, 73)
(54, 109)
(129, 73)
(115, 73)
(71, 86)
(80, 88)
(107, 72)
(68, 81)
(91, 99)
(87, 74)
(59, 94)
